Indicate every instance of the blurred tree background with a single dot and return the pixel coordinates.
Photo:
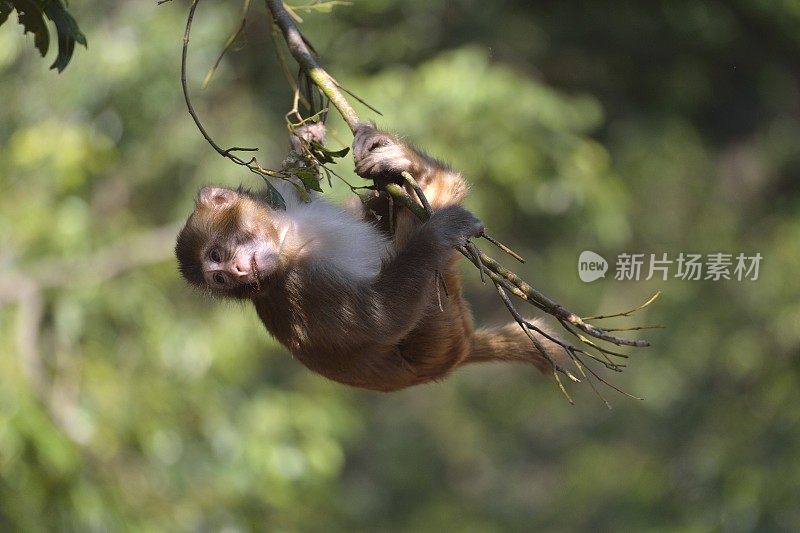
(130, 402)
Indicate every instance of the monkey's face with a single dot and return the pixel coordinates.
(229, 245)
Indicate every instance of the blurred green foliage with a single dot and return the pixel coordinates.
(130, 402)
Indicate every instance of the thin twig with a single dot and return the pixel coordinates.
(650, 300)
(523, 324)
(503, 247)
(527, 326)
(252, 164)
(357, 98)
(409, 179)
(231, 39)
(476, 253)
(636, 328)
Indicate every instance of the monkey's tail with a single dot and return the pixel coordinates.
(510, 343)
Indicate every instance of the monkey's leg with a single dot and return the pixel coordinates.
(442, 186)
(443, 336)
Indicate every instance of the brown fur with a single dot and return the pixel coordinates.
(385, 333)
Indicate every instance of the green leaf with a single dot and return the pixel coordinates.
(68, 33)
(30, 16)
(323, 155)
(301, 192)
(31, 13)
(339, 153)
(5, 10)
(310, 178)
(274, 198)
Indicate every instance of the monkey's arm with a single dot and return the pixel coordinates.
(405, 285)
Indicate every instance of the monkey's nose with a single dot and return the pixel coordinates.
(240, 269)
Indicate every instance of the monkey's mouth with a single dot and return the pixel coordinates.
(254, 270)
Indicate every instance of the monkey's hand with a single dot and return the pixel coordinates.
(379, 155)
(454, 226)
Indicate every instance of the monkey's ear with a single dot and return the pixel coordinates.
(216, 197)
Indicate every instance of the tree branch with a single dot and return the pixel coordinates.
(301, 51)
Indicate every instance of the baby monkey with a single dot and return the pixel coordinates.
(353, 297)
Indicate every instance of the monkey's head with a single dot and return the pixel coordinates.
(230, 243)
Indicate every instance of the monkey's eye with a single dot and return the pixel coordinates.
(215, 255)
(219, 279)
